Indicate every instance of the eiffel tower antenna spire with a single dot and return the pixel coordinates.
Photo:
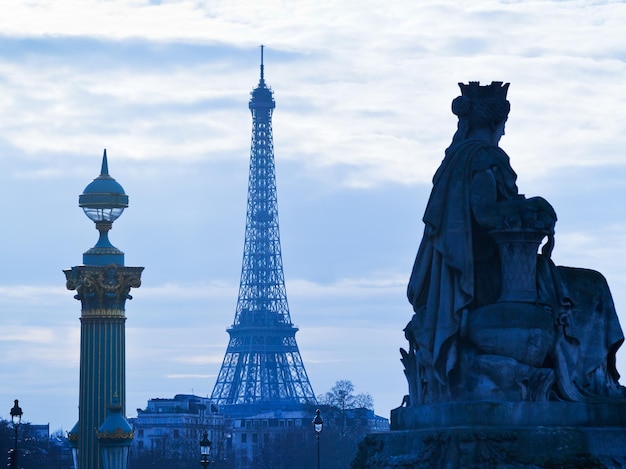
(262, 71)
(262, 365)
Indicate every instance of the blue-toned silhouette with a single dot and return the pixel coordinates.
(262, 364)
(494, 319)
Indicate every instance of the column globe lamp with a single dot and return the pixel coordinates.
(103, 201)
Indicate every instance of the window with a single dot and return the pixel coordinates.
(244, 438)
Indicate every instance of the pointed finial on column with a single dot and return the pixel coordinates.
(105, 165)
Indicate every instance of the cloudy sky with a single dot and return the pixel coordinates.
(363, 91)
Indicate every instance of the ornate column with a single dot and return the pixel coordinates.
(102, 286)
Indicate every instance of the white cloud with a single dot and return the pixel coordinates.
(347, 288)
(175, 293)
(372, 82)
(37, 293)
(189, 376)
(28, 334)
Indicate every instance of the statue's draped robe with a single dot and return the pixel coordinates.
(457, 269)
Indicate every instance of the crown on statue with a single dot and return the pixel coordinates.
(496, 90)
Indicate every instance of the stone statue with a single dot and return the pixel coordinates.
(511, 359)
(494, 318)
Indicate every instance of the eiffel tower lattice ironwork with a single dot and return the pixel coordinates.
(262, 364)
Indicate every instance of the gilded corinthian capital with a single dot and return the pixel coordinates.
(103, 290)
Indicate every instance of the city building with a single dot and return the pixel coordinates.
(173, 428)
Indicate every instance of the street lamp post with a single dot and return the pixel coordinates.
(317, 426)
(16, 418)
(205, 450)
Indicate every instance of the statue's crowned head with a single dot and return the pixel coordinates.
(481, 106)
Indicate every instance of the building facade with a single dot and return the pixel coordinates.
(171, 428)
(168, 432)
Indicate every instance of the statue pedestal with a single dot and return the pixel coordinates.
(498, 435)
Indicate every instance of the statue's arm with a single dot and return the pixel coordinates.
(487, 210)
(491, 211)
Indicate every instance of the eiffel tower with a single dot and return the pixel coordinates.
(262, 367)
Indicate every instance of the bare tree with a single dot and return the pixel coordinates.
(342, 396)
